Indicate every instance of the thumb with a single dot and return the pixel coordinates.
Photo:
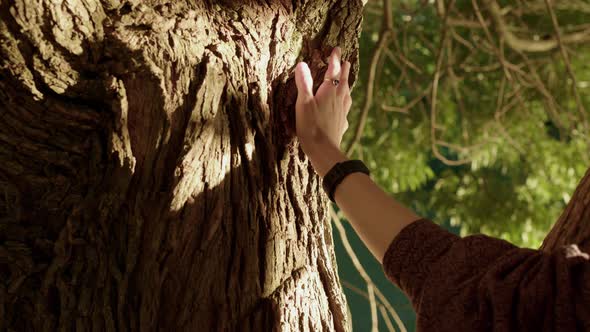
(304, 82)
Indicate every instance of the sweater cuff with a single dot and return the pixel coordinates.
(411, 254)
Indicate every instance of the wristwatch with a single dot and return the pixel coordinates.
(337, 173)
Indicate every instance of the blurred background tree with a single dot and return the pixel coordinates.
(474, 113)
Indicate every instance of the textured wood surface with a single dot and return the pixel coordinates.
(149, 179)
(573, 226)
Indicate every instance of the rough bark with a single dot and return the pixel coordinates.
(573, 226)
(149, 179)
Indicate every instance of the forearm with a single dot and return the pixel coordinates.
(376, 217)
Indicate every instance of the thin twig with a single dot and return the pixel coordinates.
(568, 65)
(374, 317)
(404, 109)
(552, 105)
(394, 56)
(489, 37)
(384, 35)
(435, 80)
(381, 307)
(359, 267)
(499, 113)
(462, 41)
(391, 311)
(386, 318)
(454, 80)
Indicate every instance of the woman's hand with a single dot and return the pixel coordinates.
(320, 120)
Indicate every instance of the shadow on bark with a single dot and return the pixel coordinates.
(90, 176)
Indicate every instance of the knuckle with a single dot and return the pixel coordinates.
(345, 92)
(347, 100)
(315, 133)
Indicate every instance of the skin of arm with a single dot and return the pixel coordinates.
(321, 121)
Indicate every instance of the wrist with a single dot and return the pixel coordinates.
(339, 173)
(323, 155)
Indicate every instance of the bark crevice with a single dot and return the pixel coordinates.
(152, 182)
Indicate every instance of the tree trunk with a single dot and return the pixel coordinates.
(149, 179)
(573, 226)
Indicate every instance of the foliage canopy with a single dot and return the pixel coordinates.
(501, 150)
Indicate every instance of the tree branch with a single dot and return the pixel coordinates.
(489, 36)
(381, 307)
(568, 65)
(435, 80)
(359, 267)
(404, 109)
(384, 35)
(526, 45)
(564, 5)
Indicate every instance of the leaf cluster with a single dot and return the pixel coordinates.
(512, 116)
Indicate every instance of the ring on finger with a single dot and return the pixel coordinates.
(334, 82)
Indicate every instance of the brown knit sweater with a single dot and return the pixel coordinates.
(479, 283)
